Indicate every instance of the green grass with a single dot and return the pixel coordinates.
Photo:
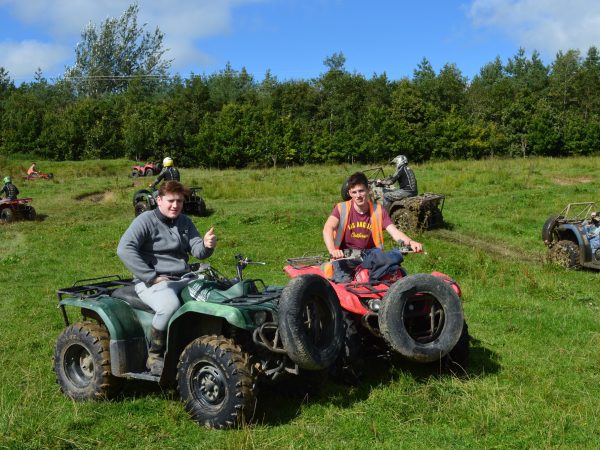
(534, 380)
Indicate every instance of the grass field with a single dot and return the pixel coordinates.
(534, 378)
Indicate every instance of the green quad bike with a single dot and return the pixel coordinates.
(229, 337)
(145, 200)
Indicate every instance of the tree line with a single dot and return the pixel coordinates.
(519, 107)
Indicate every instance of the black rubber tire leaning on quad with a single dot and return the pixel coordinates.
(30, 213)
(566, 254)
(310, 322)
(7, 215)
(548, 228)
(215, 381)
(457, 360)
(421, 318)
(82, 362)
(140, 207)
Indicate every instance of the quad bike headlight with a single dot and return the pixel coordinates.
(259, 317)
(375, 304)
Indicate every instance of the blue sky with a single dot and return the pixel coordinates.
(293, 37)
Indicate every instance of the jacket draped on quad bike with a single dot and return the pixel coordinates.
(228, 338)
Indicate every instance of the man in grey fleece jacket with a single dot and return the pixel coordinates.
(155, 249)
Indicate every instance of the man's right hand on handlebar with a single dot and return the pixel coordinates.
(336, 254)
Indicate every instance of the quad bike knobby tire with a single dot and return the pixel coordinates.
(566, 254)
(421, 318)
(135, 174)
(82, 362)
(200, 207)
(7, 215)
(215, 381)
(456, 361)
(310, 322)
(548, 228)
(149, 172)
(140, 207)
(350, 363)
(30, 213)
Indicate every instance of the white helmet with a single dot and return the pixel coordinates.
(168, 161)
(400, 160)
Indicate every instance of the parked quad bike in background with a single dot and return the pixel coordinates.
(228, 337)
(566, 236)
(144, 200)
(147, 170)
(20, 208)
(420, 316)
(40, 176)
(411, 214)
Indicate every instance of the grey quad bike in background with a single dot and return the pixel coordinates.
(145, 200)
(412, 214)
(228, 338)
(567, 237)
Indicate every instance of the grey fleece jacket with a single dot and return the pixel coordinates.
(155, 245)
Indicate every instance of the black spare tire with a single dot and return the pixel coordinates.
(344, 191)
(421, 317)
(549, 226)
(310, 322)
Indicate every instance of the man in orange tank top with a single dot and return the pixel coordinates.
(358, 225)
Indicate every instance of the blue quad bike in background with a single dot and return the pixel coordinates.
(570, 234)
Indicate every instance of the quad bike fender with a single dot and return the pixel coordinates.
(127, 339)
(574, 232)
(453, 284)
(235, 316)
(114, 313)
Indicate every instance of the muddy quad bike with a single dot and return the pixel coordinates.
(228, 337)
(144, 200)
(411, 214)
(16, 209)
(567, 236)
(419, 317)
(39, 175)
(147, 170)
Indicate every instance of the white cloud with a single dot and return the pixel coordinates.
(184, 23)
(544, 25)
(22, 59)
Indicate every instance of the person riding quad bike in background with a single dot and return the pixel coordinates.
(32, 171)
(168, 173)
(405, 178)
(9, 190)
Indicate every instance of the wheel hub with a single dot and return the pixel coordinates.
(209, 385)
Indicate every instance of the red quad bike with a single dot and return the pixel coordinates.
(13, 209)
(418, 316)
(39, 175)
(147, 170)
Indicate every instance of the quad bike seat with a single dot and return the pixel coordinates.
(128, 294)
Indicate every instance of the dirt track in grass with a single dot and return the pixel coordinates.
(493, 249)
